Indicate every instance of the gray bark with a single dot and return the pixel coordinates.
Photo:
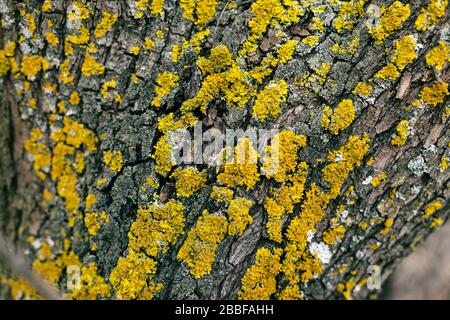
(131, 127)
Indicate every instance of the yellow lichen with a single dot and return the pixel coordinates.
(238, 215)
(281, 157)
(376, 181)
(435, 94)
(363, 89)
(334, 235)
(268, 101)
(198, 11)
(163, 156)
(349, 12)
(199, 248)
(130, 276)
(74, 98)
(286, 51)
(297, 264)
(259, 281)
(399, 139)
(114, 160)
(311, 40)
(94, 221)
(156, 227)
(405, 52)
(52, 38)
(438, 56)
(92, 285)
(91, 67)
(164, 83)
(221, 194)
(32, 65)
(431, 208)
(430, 15)
(340, 118)
(391, 19)
(188, 181)
(108, 20)
(390, 72)
(242, 170)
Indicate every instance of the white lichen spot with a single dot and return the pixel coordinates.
(418, 166)
(321, 251)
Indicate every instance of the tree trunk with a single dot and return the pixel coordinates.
(84, 88)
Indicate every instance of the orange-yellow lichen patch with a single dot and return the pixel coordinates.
(91, 199)
(389, 71)
(242, 170)
(5, 64)
(363, 89)
(349, 12)
(238, 216)
(188, 181)
(64, 73)
(286, 51)
(74, 98)
(198, 11)
(40, 152)
(156, 227)
(430, 15)
(32, 65)
(340, 118)
(405, 52)
(219, 60)
(108, 20)
(114, 160)
(163, 156)
(21, 289)
(435, 94)
(281, 156)
(438, 56)
(131, 275)
(223, 76)
(221, 194)
(402, 131)
(94, 221)
(164, 83)
(431, 208)
(92, 285)
(91, 67)
(379, 179)
(266, 12)
(167, 123)
(347, 288)
(387, 226)
(311, 40)
(259, 281)
(82, 38)
(391, 19)
(199, 248)
(341, 162)
(281, 201)
(351, 48)
(332, 236)
(445, 163)
(269, 100)
(107, 85)
(52, 38)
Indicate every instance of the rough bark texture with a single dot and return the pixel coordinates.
(416, 175)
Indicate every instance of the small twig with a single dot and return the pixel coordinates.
(18, 264)
(221, 14)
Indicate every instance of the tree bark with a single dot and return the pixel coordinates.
(383, 221)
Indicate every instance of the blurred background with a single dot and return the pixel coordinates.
(425, 274)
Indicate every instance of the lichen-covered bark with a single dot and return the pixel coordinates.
(87, 91)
